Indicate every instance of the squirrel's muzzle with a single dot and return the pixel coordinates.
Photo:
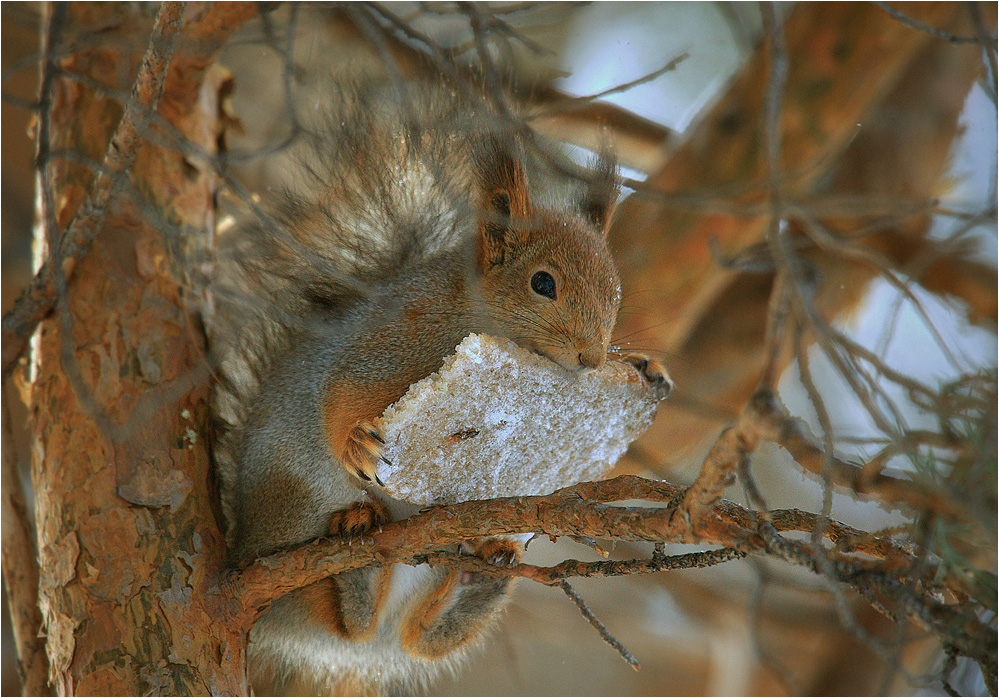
(592, 356)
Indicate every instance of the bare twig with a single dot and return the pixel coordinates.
(601, 628)
(988, 43)
(494, 83)
(569, 104)
(940, 33)
(20, 559)
(778, 308)
(767, 658)
(827, 241)
(776, 425)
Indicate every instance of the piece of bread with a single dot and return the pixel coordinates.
(498, 420)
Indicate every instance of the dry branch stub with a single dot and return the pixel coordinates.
(500, 421)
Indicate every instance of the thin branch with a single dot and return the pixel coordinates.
(571, 103)
(940, 33)
(291, 112)
(435, 52)
(778, 308)
(793, 435)
(494, 84)
(19, 103)
(601, 628)
(827, 241)
(505, 28)
(988, 43)
(19, 535)
(767, 658)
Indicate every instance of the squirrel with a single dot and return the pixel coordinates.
(409, 224)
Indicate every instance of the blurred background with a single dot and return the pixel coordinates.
(923, 140)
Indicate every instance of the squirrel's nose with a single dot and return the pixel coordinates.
(592, 356)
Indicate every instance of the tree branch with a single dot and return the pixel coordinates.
(584, 510)
(601, 628)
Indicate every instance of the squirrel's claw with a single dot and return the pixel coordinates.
(502, 552)
(652, 371)
(357, 519)
(363, 451)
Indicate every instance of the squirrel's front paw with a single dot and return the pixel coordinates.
(652, 371)
(363, 451)
(357, 519)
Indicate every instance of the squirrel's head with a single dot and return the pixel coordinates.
(547, 278)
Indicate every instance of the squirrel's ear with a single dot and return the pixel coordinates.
(600, 200)
(504, 199)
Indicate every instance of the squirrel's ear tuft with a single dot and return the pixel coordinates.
(494, 229)
(502, 180)
(496, 233)
(501, 203)
(503, 199)
(602, 191)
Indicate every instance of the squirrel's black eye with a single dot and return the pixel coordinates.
(543, 284)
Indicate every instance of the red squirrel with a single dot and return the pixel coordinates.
(412, 224)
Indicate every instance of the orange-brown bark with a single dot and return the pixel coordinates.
(128, 539)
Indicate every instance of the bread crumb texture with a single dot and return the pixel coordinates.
(498, 420)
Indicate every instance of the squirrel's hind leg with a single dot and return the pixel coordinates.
(360, 594)
(359, 600)
(357, 519)
(460, 608)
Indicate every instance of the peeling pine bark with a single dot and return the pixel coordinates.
(127, 537)
(20, 571)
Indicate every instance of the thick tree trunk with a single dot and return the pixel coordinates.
(127, 537)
